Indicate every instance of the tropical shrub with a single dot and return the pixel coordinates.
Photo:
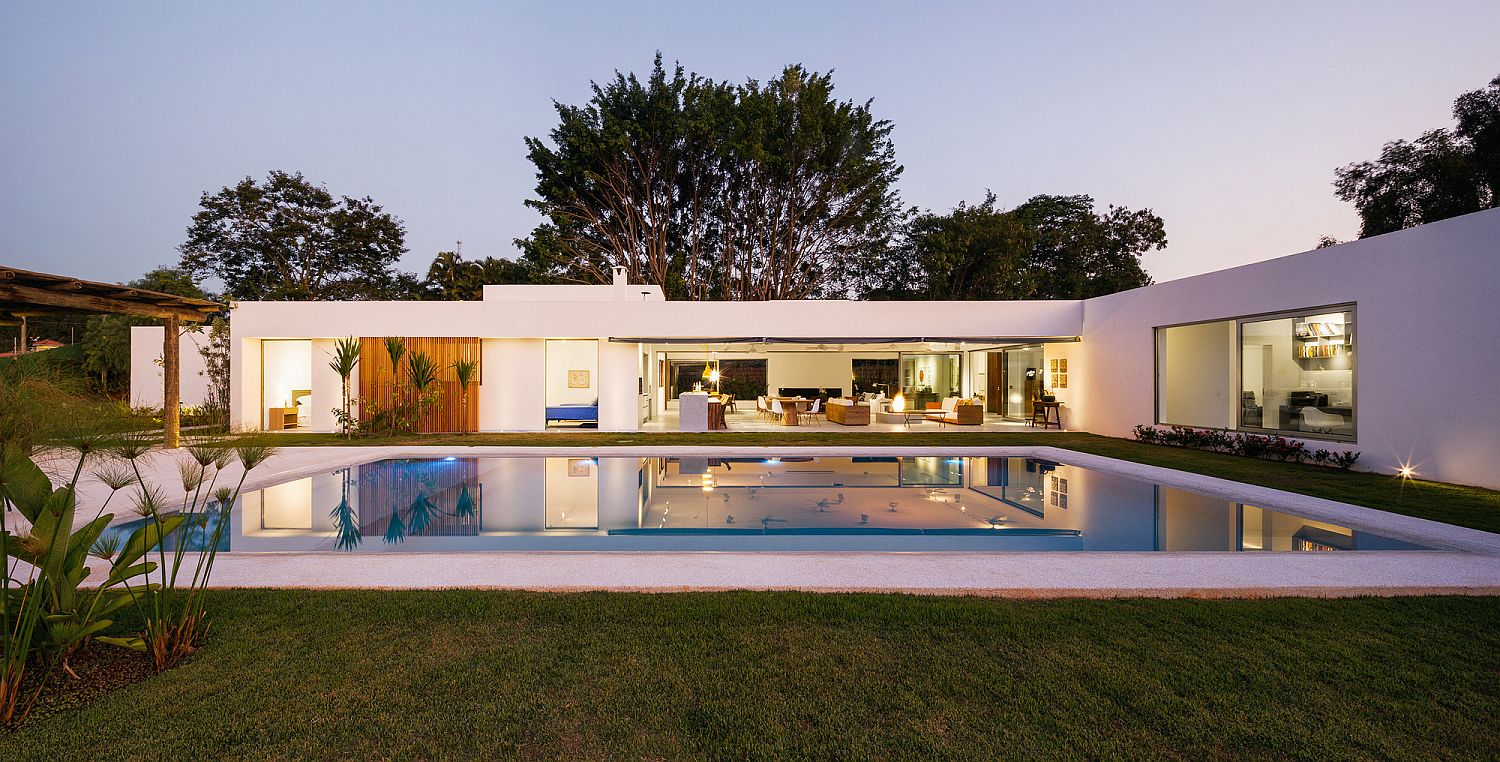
(1269, 446)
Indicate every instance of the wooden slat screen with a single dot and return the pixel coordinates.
(449, 414)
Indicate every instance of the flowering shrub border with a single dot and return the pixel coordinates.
(1270, 447)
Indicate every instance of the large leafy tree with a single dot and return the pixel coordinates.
(289, 239)
(1051, 247)
(1444, 173)
(712, 190)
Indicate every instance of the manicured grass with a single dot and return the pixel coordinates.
(1474, 507)
(750, 675)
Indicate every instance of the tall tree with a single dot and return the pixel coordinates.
(1076, 253)
(450, 277)
(289, 239)
(1444, 173)
(1051, 247)
(714, 191)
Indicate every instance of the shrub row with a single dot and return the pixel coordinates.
(1271, 447)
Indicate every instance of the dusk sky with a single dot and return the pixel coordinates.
(1228, 122)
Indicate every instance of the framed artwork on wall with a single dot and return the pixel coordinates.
(579, 466)
(578, 379)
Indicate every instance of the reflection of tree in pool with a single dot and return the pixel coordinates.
(426, 497)
(464, 510)
(396, 531)
(345, 521)
(420, 514)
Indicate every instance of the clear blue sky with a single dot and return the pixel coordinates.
(1228, 121)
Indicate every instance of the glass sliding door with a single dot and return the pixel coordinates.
(285, 383)
(1022, 379)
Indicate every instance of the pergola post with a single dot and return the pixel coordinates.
(171, 423)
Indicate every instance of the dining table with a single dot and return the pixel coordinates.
(791, 407)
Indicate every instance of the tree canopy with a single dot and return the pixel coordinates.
(450, 277)
(289, 239)
(1050, 247)
(761, 190)
(1444, 173)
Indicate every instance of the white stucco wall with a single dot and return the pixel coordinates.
(1426, 300)
(1428, 360)
(146, 371)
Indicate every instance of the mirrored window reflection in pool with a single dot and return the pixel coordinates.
(775, 503)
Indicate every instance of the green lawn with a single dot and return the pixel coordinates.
(738, 675)
(1451, 503)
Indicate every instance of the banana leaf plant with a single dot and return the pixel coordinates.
(48, 610)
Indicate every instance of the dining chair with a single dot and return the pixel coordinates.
(812, 413)
(776, 410)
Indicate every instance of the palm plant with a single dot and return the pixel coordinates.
(395, 347)
(345, 359)
(422, 373)
(175, 620)
(465, 371)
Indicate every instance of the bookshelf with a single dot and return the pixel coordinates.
(1316, 342)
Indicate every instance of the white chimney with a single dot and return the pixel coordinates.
(620, 278)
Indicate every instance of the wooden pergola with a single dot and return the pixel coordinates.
(25, 294)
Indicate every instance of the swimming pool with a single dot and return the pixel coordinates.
(788, 503)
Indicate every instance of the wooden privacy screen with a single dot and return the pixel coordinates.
(376, 380)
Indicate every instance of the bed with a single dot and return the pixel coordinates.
(574, 411)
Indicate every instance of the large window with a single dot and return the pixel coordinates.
(875, 375)
(929, 377)
(1297, 373)
(1289, 373)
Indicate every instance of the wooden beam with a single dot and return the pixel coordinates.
(14, 292)
(171, 422)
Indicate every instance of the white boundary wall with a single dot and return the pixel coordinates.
(1427, 348)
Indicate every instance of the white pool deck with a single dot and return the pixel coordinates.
(1464, 561)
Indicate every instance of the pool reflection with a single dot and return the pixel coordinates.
(787, 503)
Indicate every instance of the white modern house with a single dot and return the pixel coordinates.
(1385, 345)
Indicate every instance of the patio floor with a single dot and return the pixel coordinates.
(750, 421)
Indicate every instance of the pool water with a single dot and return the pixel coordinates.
(916, 503)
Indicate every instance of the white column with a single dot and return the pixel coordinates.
(619, 396)
(244, 389)
(327, 387)
(512, 392)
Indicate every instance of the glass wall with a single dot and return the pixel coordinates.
(1297, 373)
(1195, 375)
(876, 375)
(930, 378)
(1289, 373)
(1023, 378)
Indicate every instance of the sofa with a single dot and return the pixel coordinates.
(956, 410)
(847, 412)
